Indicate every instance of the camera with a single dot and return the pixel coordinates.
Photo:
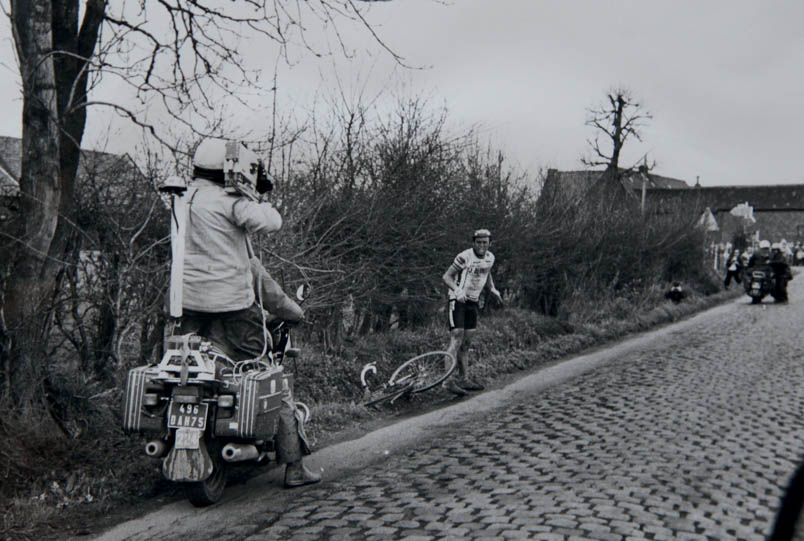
(244, 172)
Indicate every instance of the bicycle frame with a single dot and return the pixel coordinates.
(408, 379)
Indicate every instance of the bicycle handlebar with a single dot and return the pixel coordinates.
(370, 367)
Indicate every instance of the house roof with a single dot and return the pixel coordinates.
(772, 197)
(91, 162)
(667, 191)
(653, 182)
(573, 185)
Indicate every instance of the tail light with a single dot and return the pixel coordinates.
(186, 395)
(185, 399)
(226, 401)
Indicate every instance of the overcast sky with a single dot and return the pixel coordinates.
(723, 79)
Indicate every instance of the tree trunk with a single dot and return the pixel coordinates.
(108, 319)
(53, 55)
(28, 291)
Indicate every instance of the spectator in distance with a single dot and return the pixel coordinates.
(734, 268)
(676, 293)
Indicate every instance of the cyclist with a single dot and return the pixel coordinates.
(466, 278)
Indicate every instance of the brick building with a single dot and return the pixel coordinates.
(778, 209)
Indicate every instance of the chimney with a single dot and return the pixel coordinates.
(698, 181)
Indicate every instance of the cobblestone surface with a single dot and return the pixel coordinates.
(691, 437)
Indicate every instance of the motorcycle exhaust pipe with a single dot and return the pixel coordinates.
(155, 448)
(236, 452)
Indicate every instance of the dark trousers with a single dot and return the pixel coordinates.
(780, 288)
(240, 335)
(732, 274)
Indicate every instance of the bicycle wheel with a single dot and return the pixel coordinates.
(425, 371)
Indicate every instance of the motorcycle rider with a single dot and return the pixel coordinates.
(781, 272)
(221, 276)
(760, 257)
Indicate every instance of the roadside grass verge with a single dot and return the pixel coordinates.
(54, 487)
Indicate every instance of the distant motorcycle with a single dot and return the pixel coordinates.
(205, 411)
(758, 282)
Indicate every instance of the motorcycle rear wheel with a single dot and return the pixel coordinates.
(210, 490)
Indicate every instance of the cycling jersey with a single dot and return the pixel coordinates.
(474, 273)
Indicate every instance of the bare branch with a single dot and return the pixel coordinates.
(620, 119)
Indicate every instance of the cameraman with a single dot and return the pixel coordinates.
(220, 278)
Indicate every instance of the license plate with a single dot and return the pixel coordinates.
(188, 438)
(187, 416)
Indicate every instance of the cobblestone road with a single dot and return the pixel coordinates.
(690, 437)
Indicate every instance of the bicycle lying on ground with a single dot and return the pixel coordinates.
(414, 376)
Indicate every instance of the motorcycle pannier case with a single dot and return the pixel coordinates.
(135, 419)
(259, 399)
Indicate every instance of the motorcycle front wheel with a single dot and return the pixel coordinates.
(210, 490)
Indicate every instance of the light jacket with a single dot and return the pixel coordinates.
(217, 274)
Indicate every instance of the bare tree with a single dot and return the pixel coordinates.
(618, 119)
(182, 54)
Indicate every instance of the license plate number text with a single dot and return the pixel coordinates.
(188, 415)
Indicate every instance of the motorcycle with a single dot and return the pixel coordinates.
(205, 412)
(758, 282)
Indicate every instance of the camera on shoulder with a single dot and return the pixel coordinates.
(244, 172)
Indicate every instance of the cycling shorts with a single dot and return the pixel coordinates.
(462, 315)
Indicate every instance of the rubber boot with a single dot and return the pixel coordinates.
(296, 475)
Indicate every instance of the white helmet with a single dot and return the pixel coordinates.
(231, 163)
(210, 154)
(776, 246)
(764, 244)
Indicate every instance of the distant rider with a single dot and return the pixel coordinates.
(221, 276)
(781, 272)
(466, 278)
(760, 257)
